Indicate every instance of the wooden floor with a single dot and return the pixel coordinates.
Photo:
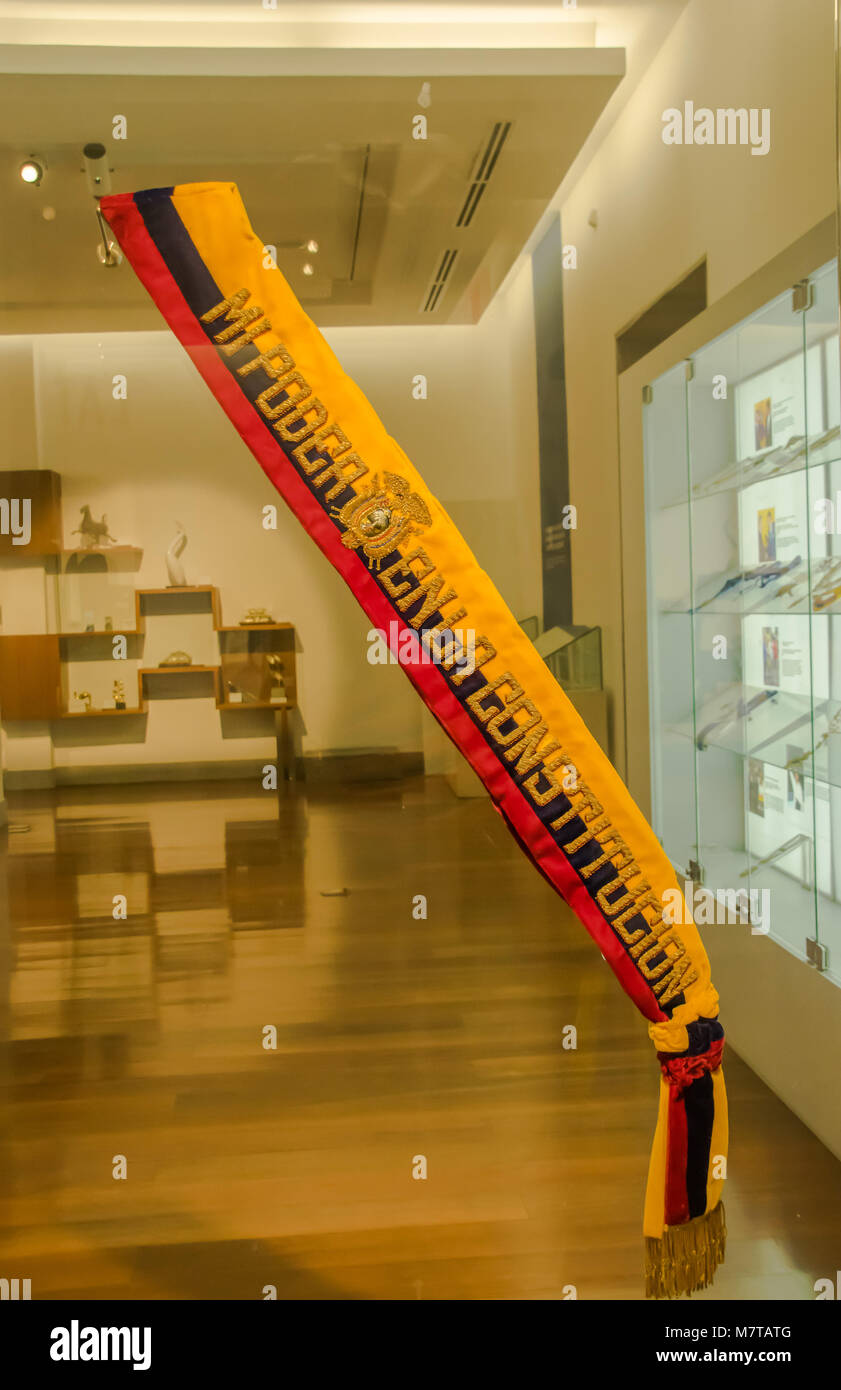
(396, 1037)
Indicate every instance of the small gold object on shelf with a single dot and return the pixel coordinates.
(277, 692)
(255, 616)
(177, 659)
(119, 692)
(84, 697)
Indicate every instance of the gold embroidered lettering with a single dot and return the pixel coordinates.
(475, 701)
(622, 853)
(608, 908)
(318, 442)
(433, 599)
(587, 870)
(629, 938)
(300, 413)
(581, 799)
(660, 937)
(645, 900)
(395, 590)
(528, 751)
(263, 361)
(447, 652)
(482, 644)
(346, 469)
(638, 901)
(419, 555)
(281, 387)
(651, 972)
(605, 857)
(238, 321)
(676, 981)
(509, 714)
(554, 790)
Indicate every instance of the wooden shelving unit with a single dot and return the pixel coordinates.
(175, 670)
(102, 713)
(133, 552)
(169, 673)
(33, 666)
(252, 704)
(188, 591)
(176, 589)
(34, 692)
(244, 649)
(30, 676)
(103, 632)
(259, 627)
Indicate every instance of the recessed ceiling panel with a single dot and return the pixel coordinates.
(332, 160)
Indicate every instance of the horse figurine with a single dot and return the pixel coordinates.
(93, 533)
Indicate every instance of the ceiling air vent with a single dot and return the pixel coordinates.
(485, 167)
(439, 281)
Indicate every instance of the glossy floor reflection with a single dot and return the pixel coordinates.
(396, 1037)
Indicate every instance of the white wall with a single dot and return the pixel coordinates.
(168, 453)
(661, 209)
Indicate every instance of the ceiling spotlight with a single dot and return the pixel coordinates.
(32, 170)
(308, 269)
(312, 247)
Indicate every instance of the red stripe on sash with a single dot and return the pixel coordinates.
(677, 1153)
(681, 1073)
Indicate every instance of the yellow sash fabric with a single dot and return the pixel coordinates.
(368, 508)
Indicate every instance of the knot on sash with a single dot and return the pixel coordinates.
(680, 1072)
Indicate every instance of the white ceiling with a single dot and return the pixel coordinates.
(311, 116)
(298, 149)
(339, 24)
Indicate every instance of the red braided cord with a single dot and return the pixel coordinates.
(680, 1072)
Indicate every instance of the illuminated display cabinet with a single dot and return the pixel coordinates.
(743, 500)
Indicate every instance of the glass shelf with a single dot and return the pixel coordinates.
(795, 457)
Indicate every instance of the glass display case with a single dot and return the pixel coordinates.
(573, 655)
(743, 503)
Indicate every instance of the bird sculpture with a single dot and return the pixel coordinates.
(93, 533)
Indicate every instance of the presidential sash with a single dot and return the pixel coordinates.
(319, 441)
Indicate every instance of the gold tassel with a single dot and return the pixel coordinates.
(686, 1258)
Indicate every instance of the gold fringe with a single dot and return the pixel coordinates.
(687, 1257)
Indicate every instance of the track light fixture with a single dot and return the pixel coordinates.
(97, 172)
(98, 176)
